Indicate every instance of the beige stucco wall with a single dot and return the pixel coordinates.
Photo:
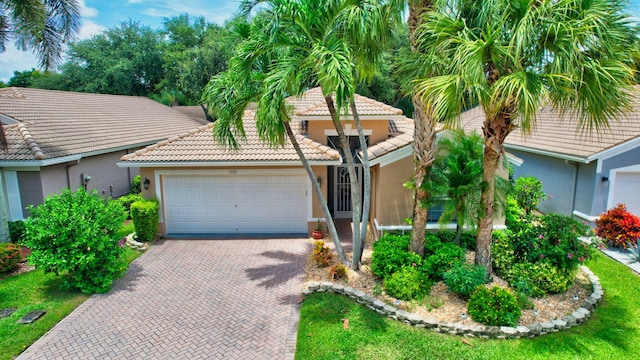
(379, 129)
(393, 202)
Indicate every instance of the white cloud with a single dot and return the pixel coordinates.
(15, 60)
(88, 29)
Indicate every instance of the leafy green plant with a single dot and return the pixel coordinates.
(406, 284)
(10, 256)
(390, 254)
(127, 200)
(136, 185)
(503, 256)
(463, 279)
(634, 253)
(528, 193)
(445, 256)
(338, 271)
(321, 253)
(73, 234)
(16, 231)
(514, 214)
(530, 278)
(495, 306)
(145, 218)
(618, 226)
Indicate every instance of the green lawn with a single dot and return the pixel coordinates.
(613, 332)
(37, 290)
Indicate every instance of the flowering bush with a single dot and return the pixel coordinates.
(10, 256)
(321, 253)
(619, 226)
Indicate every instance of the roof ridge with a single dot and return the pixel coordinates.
(31, 142)
(167, 141)
(377, 103)
(12, 92)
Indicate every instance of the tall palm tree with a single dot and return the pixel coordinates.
(42, 25)
(309, 43)
(514, 56)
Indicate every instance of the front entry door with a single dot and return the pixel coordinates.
(342, 191)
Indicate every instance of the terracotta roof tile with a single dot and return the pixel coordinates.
(61, 123)
(313, 104)
(562, 135)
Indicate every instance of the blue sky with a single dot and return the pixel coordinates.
(99, 15)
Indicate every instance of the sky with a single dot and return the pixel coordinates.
(100, 15)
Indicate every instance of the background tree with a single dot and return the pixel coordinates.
(513, 57)
(41, 25)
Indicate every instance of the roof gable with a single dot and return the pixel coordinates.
(53, 124)
(312, 105)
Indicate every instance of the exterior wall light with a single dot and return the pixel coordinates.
(146, 183)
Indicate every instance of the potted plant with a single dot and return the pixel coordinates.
(317, 232)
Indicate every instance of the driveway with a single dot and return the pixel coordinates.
(191, 299)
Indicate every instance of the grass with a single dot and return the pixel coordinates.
(33, 291)
(613, 331)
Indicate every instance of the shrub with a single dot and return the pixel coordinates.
(10, 256)
(496, 307)
(321, 253)
(406, 284)
(136, 183)
(528, 193)
(127, 200)
(467, 238)
(145, 218)
(618, 226)
(390, 254)
(338, 271)
(16, 231)
(542, 277)
(463, 279)
(445, 256)
(514, 214)
(502, 255)
(73, 234)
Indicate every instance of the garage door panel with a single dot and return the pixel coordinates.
(235, 204)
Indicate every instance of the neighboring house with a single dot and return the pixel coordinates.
(59, 139)
(583, 173)
(205, 188)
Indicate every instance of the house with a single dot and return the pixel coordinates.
(205, 188)
(59, 139)
(583, 173)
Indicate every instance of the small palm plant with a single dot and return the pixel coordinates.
(633, 252)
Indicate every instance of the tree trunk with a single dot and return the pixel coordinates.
(423, 143)
(366, 170)
(356, 198)
(316, 187)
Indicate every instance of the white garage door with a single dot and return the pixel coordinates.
(233, 204)
(626, 190)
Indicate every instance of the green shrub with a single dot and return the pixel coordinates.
(321, 253)
(463, 279)
(542, 277)
(406, 284)
(145, 218)
(528, 193)
(502, 255)
(390, 254)
(127, 200)
(467, 238)
(445, 256)
(73, 234)
(514, 214)
(16, 231)
(136, 183)
(496, 307)
(10, 256)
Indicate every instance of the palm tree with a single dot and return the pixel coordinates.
(307, 43)
(456, 177)
(512, 58)
(42, 25)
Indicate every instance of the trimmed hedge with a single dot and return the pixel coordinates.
(145, 218)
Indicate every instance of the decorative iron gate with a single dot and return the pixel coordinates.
(342, 191)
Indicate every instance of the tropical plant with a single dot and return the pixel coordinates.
(495, 306)
(618, 226)
(42, 25)
(512, 58)
(528, 192)
(633, 252)
(293, 45)
(463, 279)
(10, 256)
(456, 177)
(73, 234)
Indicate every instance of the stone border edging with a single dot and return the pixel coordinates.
(485, 332)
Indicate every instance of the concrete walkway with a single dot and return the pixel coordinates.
(622, 256)
(191, 299)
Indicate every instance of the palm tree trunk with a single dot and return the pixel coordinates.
(423, 143)
(366, 201)
(316, 187)
(356, 198)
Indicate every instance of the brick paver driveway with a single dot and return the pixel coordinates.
(191, 299)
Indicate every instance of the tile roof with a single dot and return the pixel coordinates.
(313, 104)
(562, 135)
(54, 124)
(197, 145)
